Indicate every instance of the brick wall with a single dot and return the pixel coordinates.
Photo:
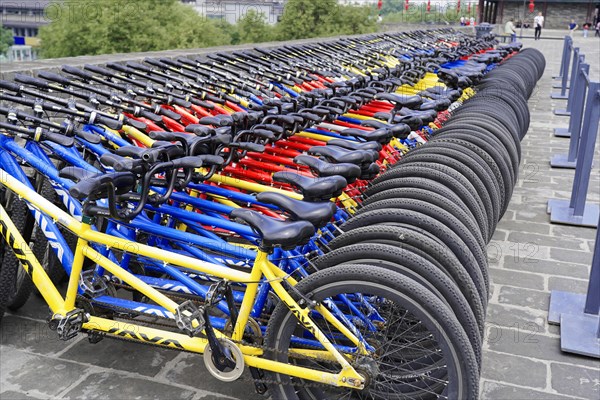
(557, 15)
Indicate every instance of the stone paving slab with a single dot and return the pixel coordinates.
(521, 360)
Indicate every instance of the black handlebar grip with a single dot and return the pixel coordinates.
(138, 66)
(50, 76)
(169, 136)
(188, 162)
(203, 104)
(98, 70)
(215, 121)
(30, 80)
(200, 130)
(150, 115)
(88, 136)
(232, 99)
(118, 163)
(118, 67)
(249, 146)
(76, 71)
(214, 99)
(10, 86)
(310, 116)
(136, 124)
(153, 61)
(180, 102)
(57, 138)
(264, 133)
(87, 187)
(209, 160)
(109, 122)
(76, 174)
(168, 113)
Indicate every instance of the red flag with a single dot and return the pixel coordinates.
(428, 5)
(531, 6)
(406, 5)
(458, 6)
(469, 8)
(379, 4)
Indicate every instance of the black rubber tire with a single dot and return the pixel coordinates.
(492, 180)
(450, 202)
(452, 217)
(488, 196)
(499, 171)
(16, 284)
(41, 247)
(449, 176)
(502, 142)
(417, 268)
(432, 314)
(494, 127)
(431, 225)
(426, 185)
(490, 144)
(432, 249)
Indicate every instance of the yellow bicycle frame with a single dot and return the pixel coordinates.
(60, 307)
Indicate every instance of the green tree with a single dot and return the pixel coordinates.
(253, 28)
(116, 26)
(318, 18)
(6, 39)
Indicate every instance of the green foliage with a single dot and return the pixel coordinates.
(417, 13)
(90, 27)
(253, 28)
(6, 39)
(310, 18)
(113, 26)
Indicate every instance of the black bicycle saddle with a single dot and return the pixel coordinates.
(319, 214)
(323, 168)
(313, 189)
(276, 233)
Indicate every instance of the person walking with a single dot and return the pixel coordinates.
(509, 29)
(597, 29)
(586, 28)
(538, 23)
(572, 27)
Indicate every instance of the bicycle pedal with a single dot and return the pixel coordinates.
(92, 284)
(68, 327)
(95, 337)
(186, 314)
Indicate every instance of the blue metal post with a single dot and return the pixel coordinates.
(578, 314)
(564, 76)
(577, 59)
(576, 211)
(575, 120)
(562, 61)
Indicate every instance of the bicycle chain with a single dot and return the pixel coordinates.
(125, 311)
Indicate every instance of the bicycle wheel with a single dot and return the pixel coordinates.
(418, 269)
(422, 351)
(430, 248)
(15, 280)
(431, 225)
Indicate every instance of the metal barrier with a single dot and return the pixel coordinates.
(577, 59)
(564, 69)
(578, 314)
(568, 39)
(575, 211)
(569, 160)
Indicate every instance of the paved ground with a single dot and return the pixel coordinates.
(522, 360)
